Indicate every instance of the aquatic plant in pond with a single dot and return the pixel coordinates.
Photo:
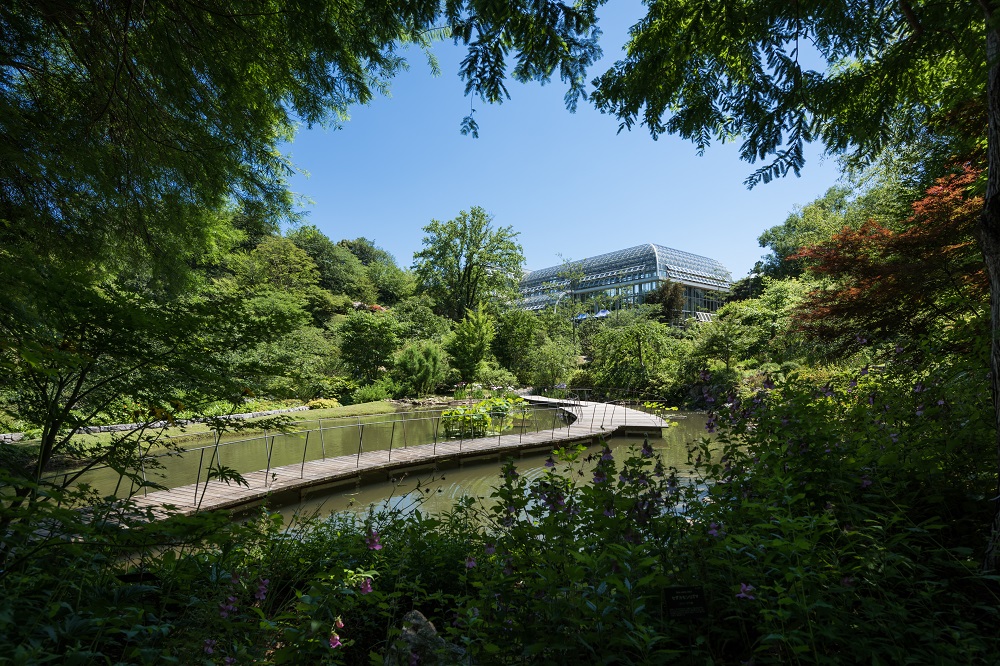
(486, 417)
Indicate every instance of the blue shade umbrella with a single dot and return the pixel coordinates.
(601, 314)
(581, 316)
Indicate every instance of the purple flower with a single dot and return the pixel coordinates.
(713, 530)
(335, 641)
(768, 384)
(609, 512)
(918, 387)
(600, 476)
(490, 549)
(550, 463)
(847, 581)
(470, 562)
(262, 589)
(372, 541)
(606, 454)
(920, 410)
(745, 591)
(366, 586)
(647, 450)
(865, 481)
(228, 607)
(208, 646)
(941, 402)
(414, 659)
(229, 661)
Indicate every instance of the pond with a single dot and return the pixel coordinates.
(436, 493)
(313, 440)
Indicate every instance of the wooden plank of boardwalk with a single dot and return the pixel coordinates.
(592, 420)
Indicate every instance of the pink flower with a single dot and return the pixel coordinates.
(745, 591)
(366, 586)
(339, 624)
(335, 641)
(372, 541)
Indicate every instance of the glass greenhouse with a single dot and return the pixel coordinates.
(626, 276)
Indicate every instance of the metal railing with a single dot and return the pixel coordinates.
(332, 435)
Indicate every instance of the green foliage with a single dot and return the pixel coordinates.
(418, 321)
(553, 363)
(374, 392)
(705, 71)
(470, 344)
(496, 378)
(634, 355)
(392, 283)
(368, 341)
(419, 368)
(299, 364)
(515, 342)
(340, 272)
(466, 262)
(276, 264)
(808, 225)
(486, 417)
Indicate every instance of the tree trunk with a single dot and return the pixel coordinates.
(990, 242)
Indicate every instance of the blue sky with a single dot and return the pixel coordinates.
(569, 183)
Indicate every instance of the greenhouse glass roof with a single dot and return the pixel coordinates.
(635, 263)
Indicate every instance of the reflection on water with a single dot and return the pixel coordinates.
(436, 493)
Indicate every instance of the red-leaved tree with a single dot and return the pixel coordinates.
(926, 279)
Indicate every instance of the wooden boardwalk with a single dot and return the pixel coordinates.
(289, 483)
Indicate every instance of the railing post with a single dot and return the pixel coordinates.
(322, 442)
(437, 424)
(268, 458)
(201, 463)
(403, 423)
(392, 435)
(361, 439)
(305, 448)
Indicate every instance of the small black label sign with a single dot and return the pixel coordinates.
(686, 602)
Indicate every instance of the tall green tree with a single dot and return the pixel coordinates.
(368, 341)
(392, 283)
(719, 71)
(340, 272)
(517, 333)
(470, 345)
(466, 261)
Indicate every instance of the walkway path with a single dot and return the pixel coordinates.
(592, 419)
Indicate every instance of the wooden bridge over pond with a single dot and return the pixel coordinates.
(585, 423)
